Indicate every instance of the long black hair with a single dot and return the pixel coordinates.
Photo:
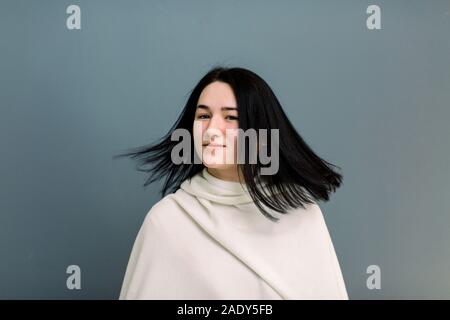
(302, 177)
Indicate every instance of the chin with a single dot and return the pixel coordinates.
(217, 166)
(217, 161)
(214, 165)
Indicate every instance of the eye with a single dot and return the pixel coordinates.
(202, 116)
(232, 117)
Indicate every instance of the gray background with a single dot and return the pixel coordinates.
(376, 103)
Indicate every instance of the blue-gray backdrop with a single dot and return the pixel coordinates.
(376, 102)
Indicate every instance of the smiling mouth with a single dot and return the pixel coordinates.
(214, 145)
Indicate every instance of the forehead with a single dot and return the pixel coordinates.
(217, 95)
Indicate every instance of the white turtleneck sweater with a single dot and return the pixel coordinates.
(208, 240)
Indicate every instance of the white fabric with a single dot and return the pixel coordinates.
(209, 241)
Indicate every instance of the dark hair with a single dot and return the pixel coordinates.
(302, 175)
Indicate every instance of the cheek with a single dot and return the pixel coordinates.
(231, 141)
(198, 136)
(231, 134)
(200, 130)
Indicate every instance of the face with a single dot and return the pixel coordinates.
(215, 126)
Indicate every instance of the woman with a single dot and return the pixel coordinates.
(228, 229)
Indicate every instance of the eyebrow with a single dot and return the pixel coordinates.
(202, 106)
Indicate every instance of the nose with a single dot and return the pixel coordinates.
(215, 129)
(213, 138)
(216, 123)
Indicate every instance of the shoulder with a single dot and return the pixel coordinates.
(313, 212)
(307, 217)
(166, 203)
(164, 215)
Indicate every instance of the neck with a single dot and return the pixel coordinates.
(225, 174)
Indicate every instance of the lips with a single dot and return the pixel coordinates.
(208, 144)
(214, 145)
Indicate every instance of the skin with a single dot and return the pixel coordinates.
(215, 124)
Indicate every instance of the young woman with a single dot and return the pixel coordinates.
(228, 229)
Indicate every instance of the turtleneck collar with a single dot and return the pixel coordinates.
(226, 184)
(206, 186)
